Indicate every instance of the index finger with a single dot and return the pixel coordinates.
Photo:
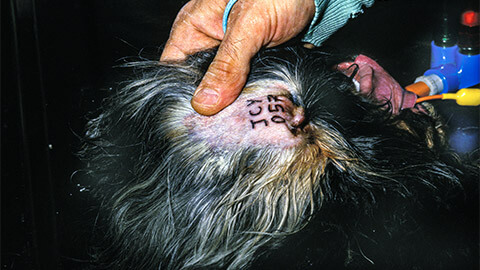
(185, 40)
(197, 27)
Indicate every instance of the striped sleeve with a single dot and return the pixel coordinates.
(330, 15)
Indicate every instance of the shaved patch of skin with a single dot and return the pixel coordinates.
(262, 117)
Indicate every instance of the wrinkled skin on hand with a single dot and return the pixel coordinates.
(252, 24)
(377, 83)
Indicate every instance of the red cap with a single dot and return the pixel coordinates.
(470, 18)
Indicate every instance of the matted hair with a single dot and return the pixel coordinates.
(173, 200)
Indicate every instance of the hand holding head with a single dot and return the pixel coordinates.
(252, 24)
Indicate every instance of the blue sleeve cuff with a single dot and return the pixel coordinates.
(330, 15)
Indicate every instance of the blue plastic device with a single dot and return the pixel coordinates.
(456, 70)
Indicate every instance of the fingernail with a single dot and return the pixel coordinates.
(207, 97)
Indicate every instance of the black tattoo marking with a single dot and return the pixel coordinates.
(278, 119)
(256, 122)
(275, 108)
(252, 101)
(259, 111)
(274, 98)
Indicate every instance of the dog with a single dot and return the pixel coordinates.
(303, 171)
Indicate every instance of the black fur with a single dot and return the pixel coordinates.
(390, 196)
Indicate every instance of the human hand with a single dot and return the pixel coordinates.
(374, 81)
(252, 24)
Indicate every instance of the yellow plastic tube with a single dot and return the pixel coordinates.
(464, 97)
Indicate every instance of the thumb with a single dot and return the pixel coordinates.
(226, 76)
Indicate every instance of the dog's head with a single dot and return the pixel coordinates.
(184, 190)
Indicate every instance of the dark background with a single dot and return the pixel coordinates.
(57, 65)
